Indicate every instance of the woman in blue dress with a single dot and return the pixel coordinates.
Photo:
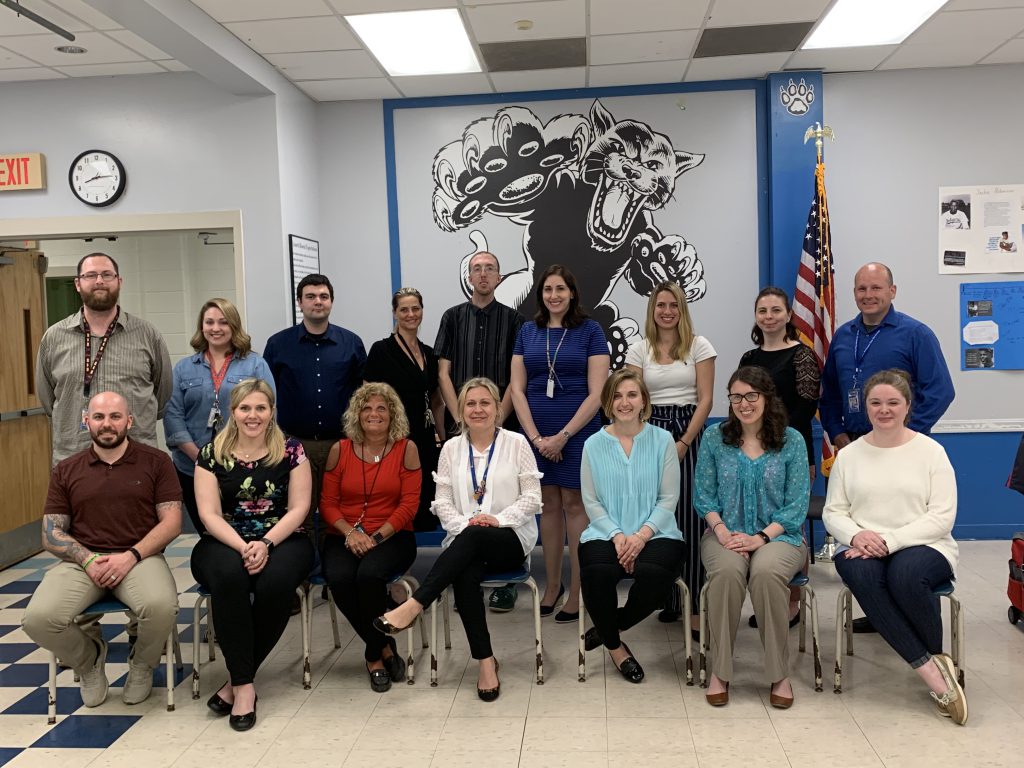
(559, 364)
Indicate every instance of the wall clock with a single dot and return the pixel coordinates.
(97, 178)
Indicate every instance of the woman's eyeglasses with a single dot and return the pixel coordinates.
(750, 397)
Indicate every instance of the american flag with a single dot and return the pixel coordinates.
(815, 299)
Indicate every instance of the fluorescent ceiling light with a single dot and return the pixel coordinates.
(871, 22)
(417, 42)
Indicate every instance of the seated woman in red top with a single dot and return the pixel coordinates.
(370, 496)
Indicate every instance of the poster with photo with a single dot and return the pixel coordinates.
(981, 229)
(992, 326)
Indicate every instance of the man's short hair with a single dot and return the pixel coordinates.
(81, 261)
(313, 280)
(486, 253)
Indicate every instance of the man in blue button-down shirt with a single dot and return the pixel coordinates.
(317, 366)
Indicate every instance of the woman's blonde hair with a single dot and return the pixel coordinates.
(684, 328)
(226, 440)
(240, 340)
(399, 426)
(898, 380)
(492, 389)
(612, 383)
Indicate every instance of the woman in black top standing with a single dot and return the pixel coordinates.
(795, 373)
(410, 367)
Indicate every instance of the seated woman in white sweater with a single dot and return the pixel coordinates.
(892, 502)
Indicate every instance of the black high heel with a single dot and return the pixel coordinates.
(490, 694)
(547, 610)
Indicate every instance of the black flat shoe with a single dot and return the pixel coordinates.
(217, 705)
(863, 626)
(547, 610)
(383, 625)
(668, 616)
(752, 621)
(592, 639)
(246, 721)
(394, 664)
(380, 680)
(567, 617)
(490, 694)
(630, 667)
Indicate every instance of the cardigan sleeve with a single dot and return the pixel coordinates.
(527, 503)
(798, 485)
(444, 497)
(664, 512)
(600, 520)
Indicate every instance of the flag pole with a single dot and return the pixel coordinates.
(819, 132)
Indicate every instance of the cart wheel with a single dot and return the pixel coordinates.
(1013, 614)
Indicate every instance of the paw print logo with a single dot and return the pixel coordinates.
(797, 99)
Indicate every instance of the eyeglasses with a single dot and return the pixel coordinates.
(750, 397)
(488, 269)
(91, 277)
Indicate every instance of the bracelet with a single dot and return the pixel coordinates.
(720, 522)
(566, 433)
(354, 530)
(89, 561)
(765, 536)
(680, 440)
(134, 551)
(538, 437)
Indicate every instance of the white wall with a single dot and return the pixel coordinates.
(899, 136)
(187, 146)
(298, 168)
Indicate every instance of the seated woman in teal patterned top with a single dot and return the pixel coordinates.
(752, 489)
(252, 490)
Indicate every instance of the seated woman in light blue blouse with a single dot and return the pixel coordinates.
(630, 487)
(752, 490)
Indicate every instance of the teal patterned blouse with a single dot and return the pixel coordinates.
(749, 494)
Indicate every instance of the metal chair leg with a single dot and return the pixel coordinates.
(704, 637)
(51, 704)
(305, 621)
(684, 602)
(538, 639)
(169, 669)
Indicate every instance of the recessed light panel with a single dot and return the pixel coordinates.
(871, 22)
(417, 42)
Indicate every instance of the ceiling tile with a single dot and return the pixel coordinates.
(100, 49)
(740, 13)
(909, 56)
(954, 29)
(972, 5)
(1010, 53)
(443, 85)
(173, 65)
(137, 44)
(607, 18)
(249, 10)
(325, 65)
(551, 19)
(127, 68)
(9, 60)
(638, 74)
(13, 24)
(642, 46)
(292, 35)
(540, 79)
(33, 73)
(840, 59)
(735, 67)
(520, 55)
(356, 88)
(83, 11)
(351, 7)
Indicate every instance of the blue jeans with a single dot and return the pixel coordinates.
(895, 593)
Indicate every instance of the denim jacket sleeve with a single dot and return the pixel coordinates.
(175, 418)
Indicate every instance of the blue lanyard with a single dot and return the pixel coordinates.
(479, 490)
(858, 358)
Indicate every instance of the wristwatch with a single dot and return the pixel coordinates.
(268, 543)
(765, 536)
(377, 537)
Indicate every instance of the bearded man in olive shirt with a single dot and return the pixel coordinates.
(110, 512)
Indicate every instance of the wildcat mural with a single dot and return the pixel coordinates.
(585, 191)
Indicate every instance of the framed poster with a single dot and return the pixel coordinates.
(304, 257)
(980, 229)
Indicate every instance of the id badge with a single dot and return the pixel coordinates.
(83, 425)
(214, 419)
(551, 388)
(853, 400)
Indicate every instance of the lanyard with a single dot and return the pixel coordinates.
(479, 490)
(859, 358)
(90, 364)
(368, 494)
(218, 376)
(428, 415)
(547, 350)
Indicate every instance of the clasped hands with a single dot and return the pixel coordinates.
(254, 556)
(628, 548)
(867, 544)
(482, 518)
(550, 447)
(107, 571)
(737, 541)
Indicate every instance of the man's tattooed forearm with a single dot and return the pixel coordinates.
(57, 540)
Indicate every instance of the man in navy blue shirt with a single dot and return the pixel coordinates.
(878, 339)
(316, 366)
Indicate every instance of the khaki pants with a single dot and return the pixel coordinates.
(766, 574)
(66, 591)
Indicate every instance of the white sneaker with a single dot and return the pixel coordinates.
(93, 682)
(138, 685)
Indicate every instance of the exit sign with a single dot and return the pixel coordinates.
(22, 171)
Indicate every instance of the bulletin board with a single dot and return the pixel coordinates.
(992, 326)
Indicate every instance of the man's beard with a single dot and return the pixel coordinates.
(101, 303)
(119, 437)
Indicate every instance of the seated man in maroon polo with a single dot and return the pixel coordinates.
(110, 512)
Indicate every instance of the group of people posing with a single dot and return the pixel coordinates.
(318, 455)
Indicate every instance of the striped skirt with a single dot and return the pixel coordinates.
(676, 419)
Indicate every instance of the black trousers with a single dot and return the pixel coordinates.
(473, 553)
(359, 584)
(657, 567)
(188, 498)
(250, 613)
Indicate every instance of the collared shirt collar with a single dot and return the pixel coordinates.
(77, 320)
(891, 318)
(487, 310)
(331, 334)
(128, 457)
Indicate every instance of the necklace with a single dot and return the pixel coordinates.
(368, 493)
(377, 456)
